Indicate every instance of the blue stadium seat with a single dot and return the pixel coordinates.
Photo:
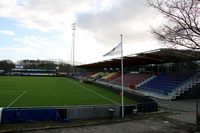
(165, 83)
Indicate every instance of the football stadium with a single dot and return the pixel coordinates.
(54, 81)
(150, 84)
(95, 90)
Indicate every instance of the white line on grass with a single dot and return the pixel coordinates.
(95, 92)
(16, 99)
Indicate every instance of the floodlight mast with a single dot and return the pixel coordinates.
(73, 47)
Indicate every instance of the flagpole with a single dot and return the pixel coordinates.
(122, 81)
(73, 47)
(114, 51)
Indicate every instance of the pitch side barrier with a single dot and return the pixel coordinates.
(61, 114)
(141, 99)
(67, 114)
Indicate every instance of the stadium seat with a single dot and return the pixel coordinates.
(165, 83)
(132, 79)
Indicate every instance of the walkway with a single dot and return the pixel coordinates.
(185, 109)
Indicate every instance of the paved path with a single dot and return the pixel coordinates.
(138, 126)
(187, 117)
(185, 109)
(180, 105)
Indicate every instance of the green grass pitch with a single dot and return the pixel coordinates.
(53, 91)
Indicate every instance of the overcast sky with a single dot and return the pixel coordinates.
(42, 29)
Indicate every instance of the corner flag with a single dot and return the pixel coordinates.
(115, 51)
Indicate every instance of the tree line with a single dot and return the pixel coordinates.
(8, 65)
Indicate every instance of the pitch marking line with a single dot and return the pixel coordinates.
(16, 99)
(95, 93)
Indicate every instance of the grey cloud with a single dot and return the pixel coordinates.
(120, 18)
(53, 6)
(45, 5)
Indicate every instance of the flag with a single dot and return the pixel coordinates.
(115, 51)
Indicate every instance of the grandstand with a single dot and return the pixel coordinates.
(110, 77)
(131, 79)
(85, 74)
(161, 73)
(166, 84)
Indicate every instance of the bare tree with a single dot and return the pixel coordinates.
(183, 22)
